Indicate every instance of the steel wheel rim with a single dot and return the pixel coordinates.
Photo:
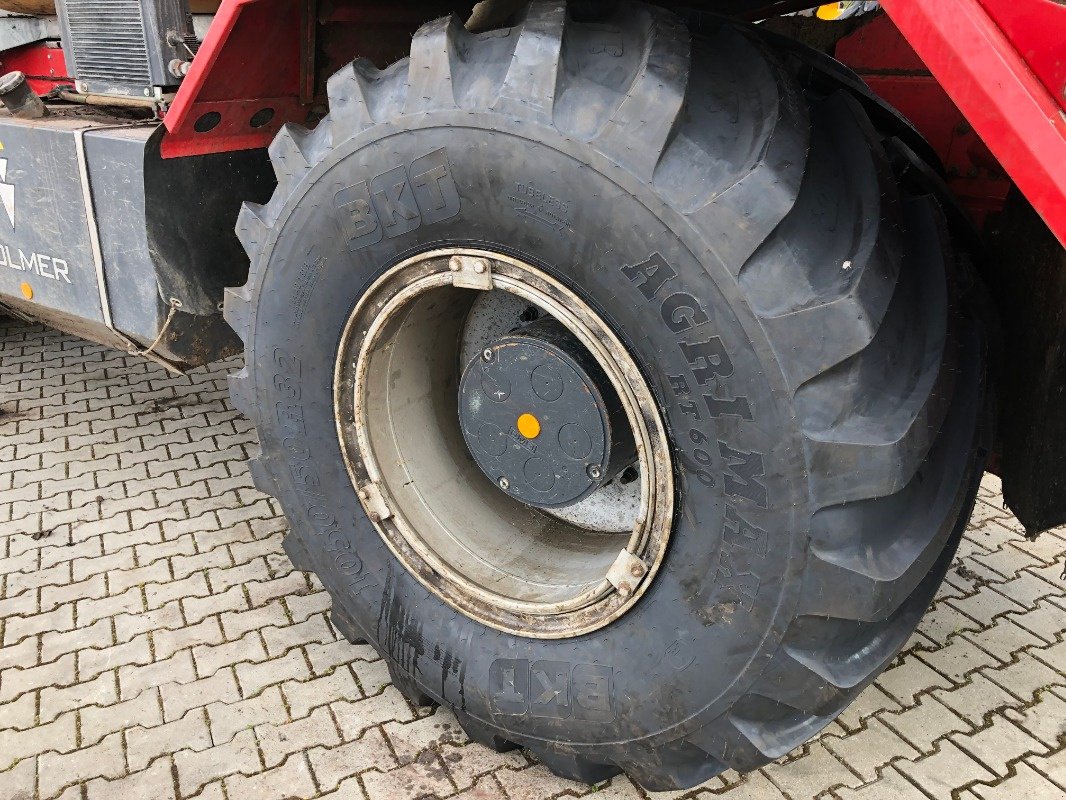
(416, 306)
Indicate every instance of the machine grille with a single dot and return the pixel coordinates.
(108, 41)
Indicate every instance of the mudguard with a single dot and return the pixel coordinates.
(102, 238)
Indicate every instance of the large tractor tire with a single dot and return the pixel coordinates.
(618, 391)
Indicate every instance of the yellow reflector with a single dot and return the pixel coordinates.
(529, 426)
(27, 291)
(831, 11)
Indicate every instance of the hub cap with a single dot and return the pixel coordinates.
(483, 409)
(541, 418)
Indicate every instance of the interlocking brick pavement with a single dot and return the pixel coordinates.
(155, 642)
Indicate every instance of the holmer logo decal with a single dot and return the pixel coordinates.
(40, 264)
(7, 192)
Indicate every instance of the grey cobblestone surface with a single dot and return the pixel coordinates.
(156, 643)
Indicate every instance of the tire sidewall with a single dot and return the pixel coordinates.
(725, 592)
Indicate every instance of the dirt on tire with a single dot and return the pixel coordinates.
(793, 305)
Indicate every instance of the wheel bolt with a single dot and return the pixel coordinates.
(595, 472)
(487, 355)
(504, 484)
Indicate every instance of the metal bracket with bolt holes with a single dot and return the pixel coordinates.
(375, 503)
(471, 272)
(626, 572)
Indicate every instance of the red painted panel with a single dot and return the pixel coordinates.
(278, 54)
(881, 56)
(878, 46)
(45, 66)
(974, 175)
(1037, 29)
(1001, 97)
(249, 61)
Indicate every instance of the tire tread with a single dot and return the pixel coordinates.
(723, 133)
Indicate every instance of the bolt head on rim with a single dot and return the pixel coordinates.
(467, 517)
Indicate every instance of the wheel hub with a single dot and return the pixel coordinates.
(541, 419)
(432, 394)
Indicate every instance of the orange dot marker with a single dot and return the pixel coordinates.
(529, 426)
(27, 291)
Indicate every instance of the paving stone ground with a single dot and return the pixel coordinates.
(156, 643)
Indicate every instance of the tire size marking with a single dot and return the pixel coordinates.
(555, 689)
(304, 286)
(528, 200)
(398, 201)
(305, 475)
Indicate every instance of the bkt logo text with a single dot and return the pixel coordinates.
(398, 201)
(552, 689)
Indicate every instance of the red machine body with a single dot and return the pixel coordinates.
(250, 76)
(43, 64)
(1003, 63)
(883, 58)
(983, 80)
(263, 56)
